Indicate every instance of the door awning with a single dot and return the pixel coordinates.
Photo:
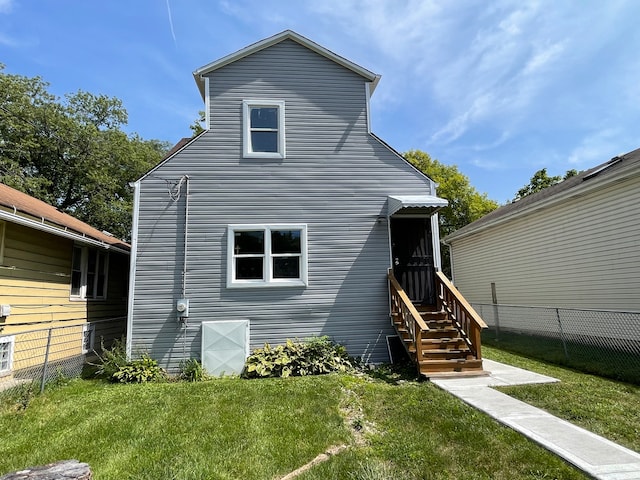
(426, 204)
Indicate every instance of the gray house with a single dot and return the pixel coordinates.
(282, 219)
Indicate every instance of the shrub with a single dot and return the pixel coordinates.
(111, 360)
(144, 369)
(192, 371)
(312, 357)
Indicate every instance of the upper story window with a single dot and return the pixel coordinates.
(6, 355)
(263, 126)
(267, 255)
(89, 272)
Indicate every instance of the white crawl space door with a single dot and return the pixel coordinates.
(225, 346)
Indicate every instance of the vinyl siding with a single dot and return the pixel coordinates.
(582, 253)
(335, 179)
(35, 278)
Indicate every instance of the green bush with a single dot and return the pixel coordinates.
(144, 369)
(111, 360)
(314, 356)
(192, 371)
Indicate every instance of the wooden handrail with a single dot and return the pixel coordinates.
(460, 299)
(464, 316)
(407, 302)
(410, 320)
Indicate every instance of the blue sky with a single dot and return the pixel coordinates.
(498, 88)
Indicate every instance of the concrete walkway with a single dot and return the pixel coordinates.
(591, 453)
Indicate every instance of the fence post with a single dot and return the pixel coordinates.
(494, 298)
(46, 362)
(564, 342)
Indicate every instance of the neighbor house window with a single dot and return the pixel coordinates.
(6, 355)
(88, 337)
(267, 255)
(263, 122)
(89, 270)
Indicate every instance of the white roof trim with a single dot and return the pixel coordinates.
(398, 202)
(267, 42)
(60, 232)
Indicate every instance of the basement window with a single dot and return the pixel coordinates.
(89, 272)
(263, 129)
(88, 337)
(267, 255)
(6, 355)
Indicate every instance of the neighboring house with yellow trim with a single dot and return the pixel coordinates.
(62, 283)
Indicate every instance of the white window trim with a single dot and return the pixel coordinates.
(91, 328)
(84, 269)
(10, 339)
(246, 128)
(268, 280)
(3, 229)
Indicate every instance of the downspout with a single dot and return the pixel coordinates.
(186, 238)
(185, 319)
(132, 265)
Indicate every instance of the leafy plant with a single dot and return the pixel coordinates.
(192, 371)
(314, 356)
(141, 370)
(111, 360)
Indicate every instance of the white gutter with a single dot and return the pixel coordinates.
(43, 227)
(132, 264)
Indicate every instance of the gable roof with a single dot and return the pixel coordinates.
(267, 42)
(585, 181)
(23, 209)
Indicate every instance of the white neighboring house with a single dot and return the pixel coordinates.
(573, 245)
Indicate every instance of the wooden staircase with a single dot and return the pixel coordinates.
(443, 340)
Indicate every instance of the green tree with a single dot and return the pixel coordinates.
(71, 152)
(197, 127)
(541, 180)
(466, 204)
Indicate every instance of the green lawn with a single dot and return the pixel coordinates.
(263, 429)
(606, 407)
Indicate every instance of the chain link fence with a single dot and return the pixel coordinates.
(30, 357)
(596, 341)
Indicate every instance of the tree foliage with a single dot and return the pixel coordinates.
(71, 152)
(541, 180)
(466, 204)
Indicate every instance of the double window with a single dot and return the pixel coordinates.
(6, 355)
(267, 255)
(263, 126)
(89, 273)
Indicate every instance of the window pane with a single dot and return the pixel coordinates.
(91, 285)
(285, 241)
(264, 142)
(286, 267)
(248, 242)
(76, 278)
(77, 258)
(264, 117)
(5, 348)
(249, 268)
(91, 267)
